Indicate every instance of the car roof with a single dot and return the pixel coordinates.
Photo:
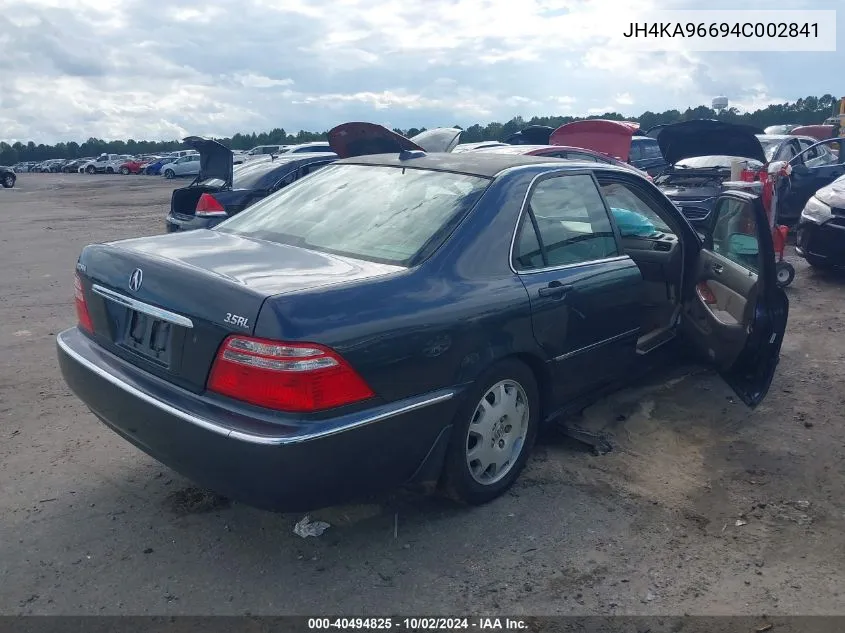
(476, 163)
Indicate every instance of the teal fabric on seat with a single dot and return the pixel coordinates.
(632, 224)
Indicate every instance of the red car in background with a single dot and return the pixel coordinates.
(562, 151)
(133, 166)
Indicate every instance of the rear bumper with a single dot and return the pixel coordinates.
(821, 243)
(275, 463)
(174, 223)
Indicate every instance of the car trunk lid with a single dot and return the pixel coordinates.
(361, 139)
(166, 303)
(215, 160)
(441, 139)
(608, 137)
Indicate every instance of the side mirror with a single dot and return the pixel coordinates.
(741, 244)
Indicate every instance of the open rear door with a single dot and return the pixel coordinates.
(736, 315)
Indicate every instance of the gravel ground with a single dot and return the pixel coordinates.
(705, 507)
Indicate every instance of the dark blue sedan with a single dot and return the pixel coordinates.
(410, 318)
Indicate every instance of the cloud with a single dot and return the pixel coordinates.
(139, 69)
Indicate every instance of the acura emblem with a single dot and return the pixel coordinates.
(136, 279)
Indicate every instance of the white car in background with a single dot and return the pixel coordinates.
(188, 165)
(104, 164)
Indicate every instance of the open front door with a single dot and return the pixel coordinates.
(736, 315)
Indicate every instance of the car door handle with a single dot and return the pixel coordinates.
(718, 269)
(555, 290)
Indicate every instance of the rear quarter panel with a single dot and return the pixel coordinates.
(438, 325)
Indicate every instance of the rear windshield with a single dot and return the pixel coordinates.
(246, 175)
(393, 215)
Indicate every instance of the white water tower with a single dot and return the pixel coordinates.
(719, 103)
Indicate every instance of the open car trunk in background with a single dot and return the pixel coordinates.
(361, 139)
(192, 291)
(216, 162)
(441, 139)
(531, 135)
(607, 137)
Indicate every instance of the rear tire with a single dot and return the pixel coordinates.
(90, 169)
(168, 173)
(109, 170)
(492, 434)
(8, 181)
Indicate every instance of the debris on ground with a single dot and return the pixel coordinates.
(305, 527)
(193, 500)
(741, 522)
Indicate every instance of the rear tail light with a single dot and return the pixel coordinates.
(82, 315)
(295, 377)
(209, 207)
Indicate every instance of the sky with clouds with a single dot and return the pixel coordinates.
(163, 69)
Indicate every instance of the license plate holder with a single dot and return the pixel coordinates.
(150, 337)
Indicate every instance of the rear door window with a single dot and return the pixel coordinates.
(569, 223)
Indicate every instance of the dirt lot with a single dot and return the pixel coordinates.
(90, 525)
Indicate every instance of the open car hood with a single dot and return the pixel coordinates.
(532, 135)
(708, 137)
(600, 135)
(215, 159)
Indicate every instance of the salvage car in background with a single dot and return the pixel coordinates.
(104, 164)
(188, 165)
(220, 190)
(699, 154)
(409, 318)
(7, 177)
(132, 166)
(154, 168)
(614, 138)
(559, 151)
(813, 169)
(821, 228)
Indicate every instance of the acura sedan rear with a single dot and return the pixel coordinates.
(409, 319)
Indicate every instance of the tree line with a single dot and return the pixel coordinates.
(806, 111)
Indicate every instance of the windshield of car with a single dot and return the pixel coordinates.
(378, 213)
